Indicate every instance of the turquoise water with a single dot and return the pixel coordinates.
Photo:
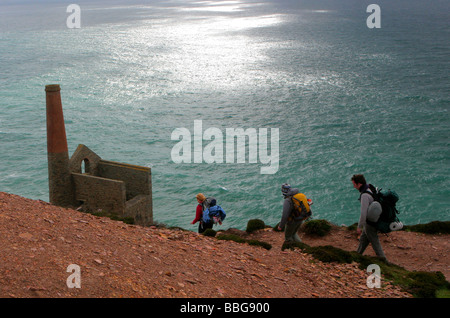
(346, 99)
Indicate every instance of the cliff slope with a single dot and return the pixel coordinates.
(39, 241)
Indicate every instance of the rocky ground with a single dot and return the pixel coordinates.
(39, 242)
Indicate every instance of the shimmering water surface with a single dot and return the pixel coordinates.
(346, 99)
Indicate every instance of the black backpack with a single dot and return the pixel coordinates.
(388, 200)
(209, 202)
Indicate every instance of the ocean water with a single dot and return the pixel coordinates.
(345, 99)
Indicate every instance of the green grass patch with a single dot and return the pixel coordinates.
(443, 293)
(418, 283)
(265, 245)
(435, 227)
(209, 232)
(238, 239)
(427, 284)
(293, 245)
(254, 225)
(230, 237)
(100, 213)
(330, 254)
(317, 227)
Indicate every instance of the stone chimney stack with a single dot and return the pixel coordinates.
(61, 189)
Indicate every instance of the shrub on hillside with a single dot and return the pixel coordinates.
(265, 245)
(254, 225)
(435, 227)
(209, 232)
(330, 254)
(230, 237)
(317, 227)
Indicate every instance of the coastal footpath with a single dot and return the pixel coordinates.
(41, 244)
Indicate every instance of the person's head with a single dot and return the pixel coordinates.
(285, 187)
(358, 180)
(200, 197)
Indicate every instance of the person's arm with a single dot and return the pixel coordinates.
(365, 201)
(198, 214)
(286, 214)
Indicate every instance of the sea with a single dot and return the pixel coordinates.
(342, 87)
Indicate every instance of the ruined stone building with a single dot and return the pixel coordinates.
(115, 188)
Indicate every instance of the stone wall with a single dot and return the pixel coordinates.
(109, 187)
(97, 193)
(137, 179)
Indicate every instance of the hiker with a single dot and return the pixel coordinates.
(292, 224)
(368, 233)
(199, 214)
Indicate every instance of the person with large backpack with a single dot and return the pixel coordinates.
(367, 231)
(201, 199)
(296, 209)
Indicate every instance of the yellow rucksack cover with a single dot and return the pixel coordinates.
(302, 210)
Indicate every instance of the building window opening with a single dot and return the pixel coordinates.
(85, 166)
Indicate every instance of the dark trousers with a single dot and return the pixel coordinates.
(370, 236)
(204, 226)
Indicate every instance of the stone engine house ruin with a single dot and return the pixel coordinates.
(119, 189)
